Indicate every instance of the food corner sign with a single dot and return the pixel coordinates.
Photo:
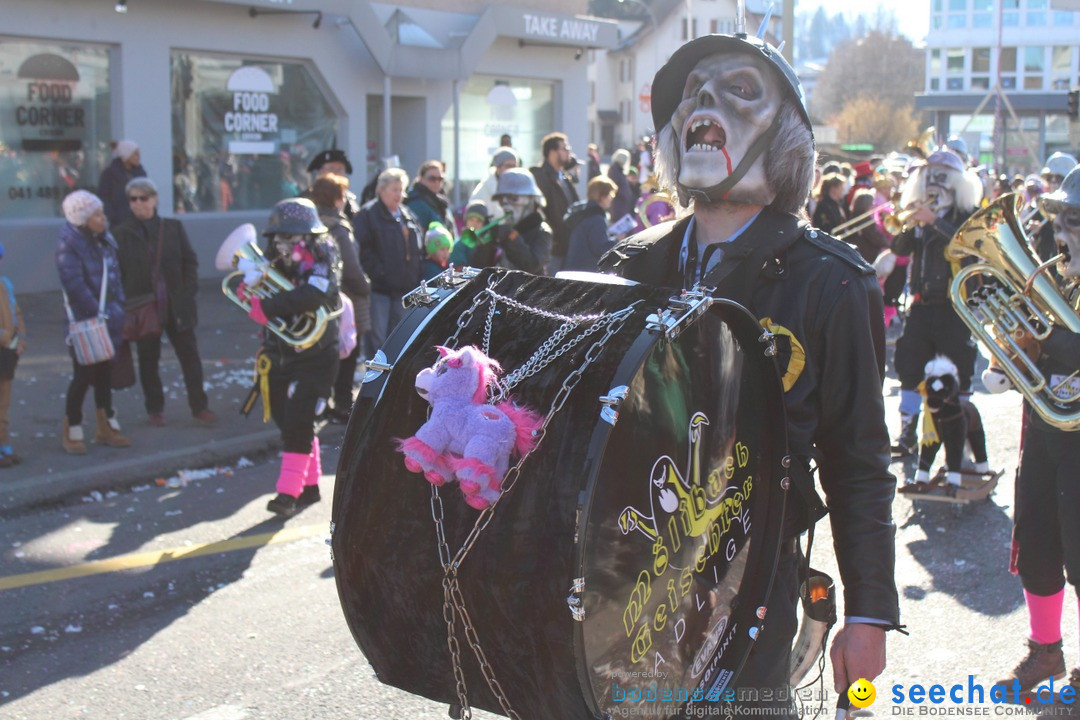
(249, 122)
(49, 113)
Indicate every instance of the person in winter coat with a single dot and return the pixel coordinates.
(829, 211)
(390, 250)
(623, 204)
(589, 238)
(526, 245)
(330, 195)
(426, 198)
(438, 244)
(503, 159)
(112, 185)
(85, 258)
(139, 240)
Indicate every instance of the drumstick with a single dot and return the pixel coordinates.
(843, 704)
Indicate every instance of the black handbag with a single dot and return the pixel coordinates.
(9, 358)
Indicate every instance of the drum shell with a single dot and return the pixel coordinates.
(516, 579)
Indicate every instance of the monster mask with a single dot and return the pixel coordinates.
(1067, 237)
(728, 117)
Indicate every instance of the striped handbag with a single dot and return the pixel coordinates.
(89, 338)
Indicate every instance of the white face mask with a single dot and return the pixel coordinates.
(1067, 237)
(941, 187)
(516, 206)
(729, 101)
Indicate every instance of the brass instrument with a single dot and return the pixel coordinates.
(860, 222)
(472, 238)
(899, 221)
(307, 328)
(655, 198)
(1016, 297)
(923, 145)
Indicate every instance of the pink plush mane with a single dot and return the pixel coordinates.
(466, 438)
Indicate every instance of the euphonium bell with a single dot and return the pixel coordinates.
(1016, 296)
(240, 248)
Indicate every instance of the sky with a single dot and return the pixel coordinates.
(912, 16)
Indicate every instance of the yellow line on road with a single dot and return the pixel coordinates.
(158, 557)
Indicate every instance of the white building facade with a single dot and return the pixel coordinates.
(1035, 64)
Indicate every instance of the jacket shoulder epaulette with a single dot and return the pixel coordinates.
(838, 248)
(634, 246)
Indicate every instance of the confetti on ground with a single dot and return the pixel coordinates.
(37, 630)
(73, 629)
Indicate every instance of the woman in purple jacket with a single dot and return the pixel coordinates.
(85, 256)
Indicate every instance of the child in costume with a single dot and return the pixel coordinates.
(299, 381)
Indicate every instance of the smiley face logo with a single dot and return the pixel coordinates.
(862, 693)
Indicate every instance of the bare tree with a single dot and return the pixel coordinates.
(871, 120)
(882, 65)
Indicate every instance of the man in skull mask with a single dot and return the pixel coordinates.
(525, 240)
(298, 381)
(1046, 533)
(1057, 167)
(735, 144)
(942, 198)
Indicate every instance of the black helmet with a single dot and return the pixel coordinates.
(327, 156)
(667, 87)
(1065, 197)
(295, 216)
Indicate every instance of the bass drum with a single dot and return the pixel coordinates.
(630, 563)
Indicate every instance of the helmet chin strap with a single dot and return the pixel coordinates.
(720, 190)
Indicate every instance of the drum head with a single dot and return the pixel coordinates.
(682, 529)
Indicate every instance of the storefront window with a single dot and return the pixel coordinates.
(490, 107)
(55, 124)
(954, 63)
(244, 131)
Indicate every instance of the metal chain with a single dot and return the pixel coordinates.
(453, 601)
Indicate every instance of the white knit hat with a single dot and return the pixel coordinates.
(79, 206)
(126, 148)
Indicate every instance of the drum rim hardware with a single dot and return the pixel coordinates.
(684, 311)
(453, 601)
(610, 412)
(448, 279)
(376, 366)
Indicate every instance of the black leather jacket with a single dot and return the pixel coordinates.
(823, 293)
(1060, 358)
(931, 272)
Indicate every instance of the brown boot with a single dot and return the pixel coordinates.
(1041, 663)
(108, 432)
(73, 440)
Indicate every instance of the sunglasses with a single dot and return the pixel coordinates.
(138, 198)
(434, 178)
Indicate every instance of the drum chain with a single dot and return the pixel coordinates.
(453, 601)
(466, 317)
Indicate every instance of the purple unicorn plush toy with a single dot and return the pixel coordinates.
(466, 438)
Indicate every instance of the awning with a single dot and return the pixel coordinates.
(967, 102)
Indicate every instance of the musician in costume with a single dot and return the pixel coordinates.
(735, 147)
(1046, 524)
(1039, 228)
(299, 381)
(525, 240)
(939, 198)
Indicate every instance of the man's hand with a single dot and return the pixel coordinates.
(858, 651)
(924, 216)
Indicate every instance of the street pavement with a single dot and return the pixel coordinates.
(227, 344)
(205, 607)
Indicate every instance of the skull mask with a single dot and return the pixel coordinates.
(727, 116)
(1067, 237)
(940, 189)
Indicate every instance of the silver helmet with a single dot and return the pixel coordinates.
(517, 181)
(1065, 197)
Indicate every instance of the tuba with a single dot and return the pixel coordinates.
(1016, 296)
(240, 248)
